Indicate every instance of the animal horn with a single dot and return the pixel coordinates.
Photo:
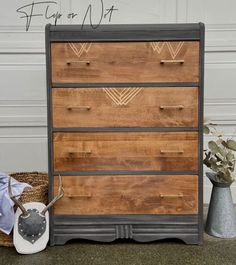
(56, 198)
(17, 202)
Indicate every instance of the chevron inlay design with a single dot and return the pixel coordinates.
(122, 96)
(80, 48)
(174, 51)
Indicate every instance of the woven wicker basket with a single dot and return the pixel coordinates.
(38, 193)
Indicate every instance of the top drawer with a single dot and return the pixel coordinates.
(125, 62)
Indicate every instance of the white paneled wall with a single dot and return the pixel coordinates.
(23, 131)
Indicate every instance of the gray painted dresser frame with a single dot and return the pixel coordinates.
(142, 228)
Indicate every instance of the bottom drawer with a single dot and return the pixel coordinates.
(126, 194)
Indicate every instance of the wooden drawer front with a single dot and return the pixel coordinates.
(125, 107)
(125, 62)
(126, 151)
(128, 195)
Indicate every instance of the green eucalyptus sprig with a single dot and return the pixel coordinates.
(220, 155)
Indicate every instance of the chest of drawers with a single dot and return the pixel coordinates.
(125, 113)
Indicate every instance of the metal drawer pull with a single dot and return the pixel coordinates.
(85, 152)
(89, 152)
(172, 61)
(180, 196)
(171, 151)
(77, 62)
(78, 107)
(179, 107)
(79, 195)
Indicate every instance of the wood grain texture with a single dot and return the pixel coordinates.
(143, 110)
(125, 151)
(125, 62)
(128, 195)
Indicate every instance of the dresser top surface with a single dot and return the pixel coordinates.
(128, 27)
(125, 32)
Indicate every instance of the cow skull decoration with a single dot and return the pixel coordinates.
(31, 227)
